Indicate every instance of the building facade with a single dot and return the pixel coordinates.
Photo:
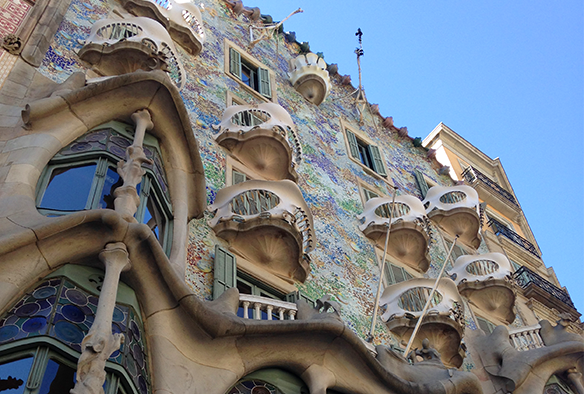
(193, 202)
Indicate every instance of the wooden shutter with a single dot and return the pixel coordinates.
(369, 194)
(353, 144)
(264, 85)
(421, 183)
(234, 63)
(378, 166)
(485, 325)
(225, 272)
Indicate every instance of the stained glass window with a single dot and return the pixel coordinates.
(63, 310)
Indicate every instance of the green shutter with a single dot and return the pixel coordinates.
(421, 183)
(265, 88)
(298, 295)
(237, 177)
(369, 194)
(353, 144)
(235, 63)
(225, 271)
(377, 161)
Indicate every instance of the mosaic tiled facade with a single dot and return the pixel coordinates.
(345, 261)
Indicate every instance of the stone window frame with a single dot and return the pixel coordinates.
(149, 187)
(360, 135)
(230, 45)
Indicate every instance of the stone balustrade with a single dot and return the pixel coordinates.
(525, 338)
(264, 308)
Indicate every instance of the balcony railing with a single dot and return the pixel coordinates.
(525, 277)
(264, 308)
(310, 78)
(472, 175)
(480, 267)
(526, 338)
(500, 229)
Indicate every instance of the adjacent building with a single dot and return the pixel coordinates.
(191, 201)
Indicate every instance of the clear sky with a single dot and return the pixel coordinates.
(506, 75)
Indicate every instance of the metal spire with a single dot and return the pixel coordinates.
(360, 100)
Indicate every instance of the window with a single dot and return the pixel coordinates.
(485, 325)
(368, 194)
(226, 275)
(249, 73)
(395, 274)
(84, 176)
(364, 153)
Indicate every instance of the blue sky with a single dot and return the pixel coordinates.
(506, 75)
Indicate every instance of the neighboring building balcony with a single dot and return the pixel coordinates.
(500, 229)
(485, 280)
(534, 286)
(493, 194)
(443, 324)
(456, 209)
(263, 138)
(122, 46)
(526, 338)
(264, 308)
(310, 77)
(269, 224)
(182, 19)
(410, 235)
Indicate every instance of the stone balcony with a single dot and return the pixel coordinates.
(182, 19)
(262, 137)
(264, 308)
(310, 77)
(409, 237)
(525, 338)
(456, 210)
(485, 280)
(443, 324)
(122, 46)
(542, 290)
(491, 192)
(269, 224)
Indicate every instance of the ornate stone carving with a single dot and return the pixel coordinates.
(12, 44)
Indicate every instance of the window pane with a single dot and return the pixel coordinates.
(58, 378)
(112, 182)
(14, 374)
(69, 188)
(154, 218)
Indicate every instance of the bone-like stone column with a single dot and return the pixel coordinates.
(131, 171)
(575, 378)
(100, 343)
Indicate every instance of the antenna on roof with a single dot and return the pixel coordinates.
(360, 100)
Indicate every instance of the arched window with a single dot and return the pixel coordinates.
(270, 381)
(83, 175)
(40, 336)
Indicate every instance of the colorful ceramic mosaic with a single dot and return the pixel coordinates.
(344, 263)
(62, 310)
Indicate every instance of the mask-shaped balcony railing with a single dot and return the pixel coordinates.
(116, 47)
(543, 290)
(310, 77)
(181, 18)
(443, 324)
(500, 229)
(456, 209)
(473, 176)
(263, 137)
(410, 235)
(486, 281)
(268, 223)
